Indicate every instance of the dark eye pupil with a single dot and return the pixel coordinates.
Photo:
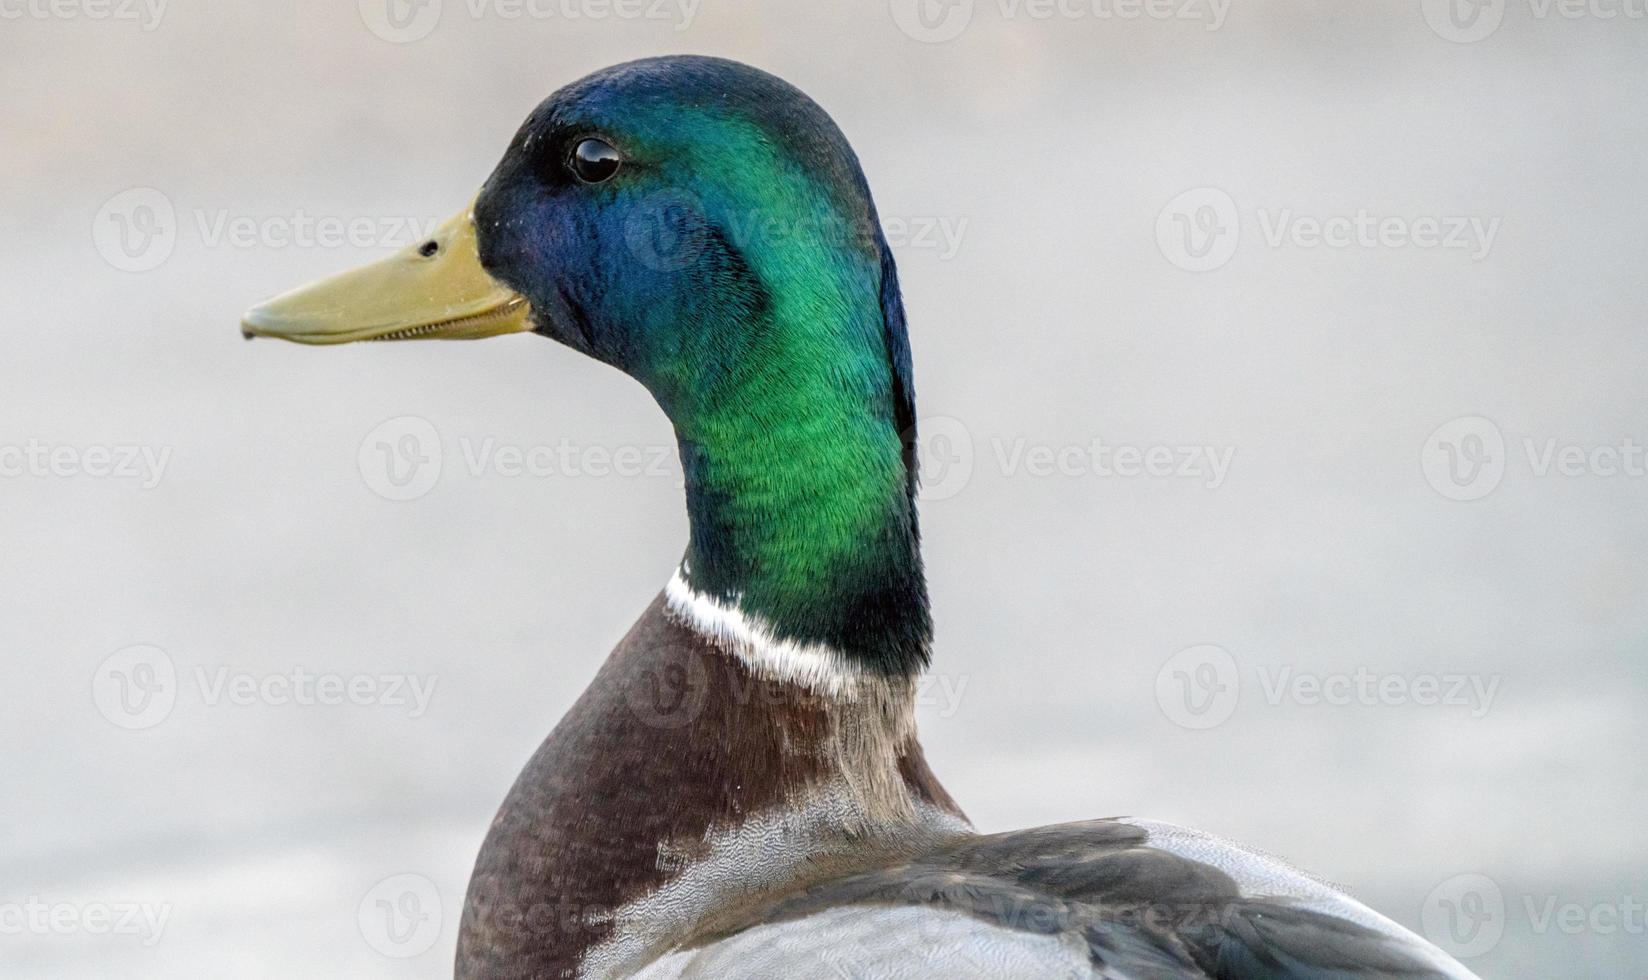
(594, 161)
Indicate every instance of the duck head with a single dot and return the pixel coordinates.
(704, 227)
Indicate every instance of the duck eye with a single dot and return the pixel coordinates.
(429, 248)
(595, 161)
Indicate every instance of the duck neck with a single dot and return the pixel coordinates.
(680, 796)
(804, 548)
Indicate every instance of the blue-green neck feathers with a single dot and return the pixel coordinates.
(798, 480)
(735, 267)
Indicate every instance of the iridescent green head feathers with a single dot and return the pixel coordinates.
(706, 228)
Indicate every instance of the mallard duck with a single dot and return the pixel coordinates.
(740, 792)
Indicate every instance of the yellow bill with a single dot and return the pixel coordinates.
(434, 290)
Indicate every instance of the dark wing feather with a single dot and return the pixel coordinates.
(1145, 913)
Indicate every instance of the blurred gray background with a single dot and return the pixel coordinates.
(1106, 213)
